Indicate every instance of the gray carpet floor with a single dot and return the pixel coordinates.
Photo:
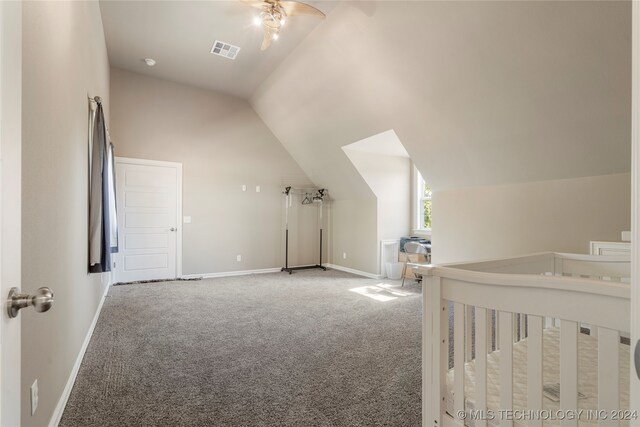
(310, 349)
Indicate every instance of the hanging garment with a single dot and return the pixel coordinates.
(103, 240)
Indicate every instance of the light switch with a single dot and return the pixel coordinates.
(186, 220)
(257, 188)
(244, 187)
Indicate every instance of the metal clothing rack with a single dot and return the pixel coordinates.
(312, 196)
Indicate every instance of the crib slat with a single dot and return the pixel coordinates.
(459, 356)
(506, 365)
(520, 326)
(608, 373)
(568, 369)
(490, 330)
(434, 365)
(481, 363)
(428, 335)
(558, 266)
(534, 367)
(468, 345)
(444, 355)
(497, 332)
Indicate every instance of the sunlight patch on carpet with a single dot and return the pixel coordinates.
(381, 292)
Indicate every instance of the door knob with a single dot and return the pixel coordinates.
(42, 301)
(172, 229)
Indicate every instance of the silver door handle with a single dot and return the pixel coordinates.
(172, 229)
(42, 301)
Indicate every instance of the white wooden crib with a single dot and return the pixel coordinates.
(517, 339)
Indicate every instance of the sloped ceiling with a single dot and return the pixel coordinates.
(479, 93)
(385, 144)
(179, 35)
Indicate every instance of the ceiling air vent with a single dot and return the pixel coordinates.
(225, 49)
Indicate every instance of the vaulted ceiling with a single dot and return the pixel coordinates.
(479, 93)
(179, 35)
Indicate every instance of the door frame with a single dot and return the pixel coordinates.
(10, 207)
(634, 398)
(179, 219)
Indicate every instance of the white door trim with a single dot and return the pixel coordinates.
(634, 401)
(179, 220)
(11, 392)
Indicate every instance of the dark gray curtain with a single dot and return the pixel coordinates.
(103, 240)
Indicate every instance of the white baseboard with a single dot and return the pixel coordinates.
(353, 271)
(62, 402)
(276, 270)
(231, 273)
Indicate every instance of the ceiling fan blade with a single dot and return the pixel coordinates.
(268, 38)
(254, 3)
(293, 8)
(266, 42)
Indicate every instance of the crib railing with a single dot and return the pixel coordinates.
(488, 297)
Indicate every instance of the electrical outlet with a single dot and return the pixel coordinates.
(239, 258)
(244, 188)
(257, 188)
(34, 397)
(344, 255)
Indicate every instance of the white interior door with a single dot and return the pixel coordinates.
(10, 183)
(149, 230)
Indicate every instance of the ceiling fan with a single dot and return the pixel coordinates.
(274, 14)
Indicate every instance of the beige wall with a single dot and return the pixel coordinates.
(222, 144)
(353, 231)
(479, 93)
(559, 215)
(64, 60)
(389, 178)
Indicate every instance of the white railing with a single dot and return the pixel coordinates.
(507, 300)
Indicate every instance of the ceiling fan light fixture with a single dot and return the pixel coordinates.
(274, 14)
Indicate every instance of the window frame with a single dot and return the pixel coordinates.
(418, 198)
